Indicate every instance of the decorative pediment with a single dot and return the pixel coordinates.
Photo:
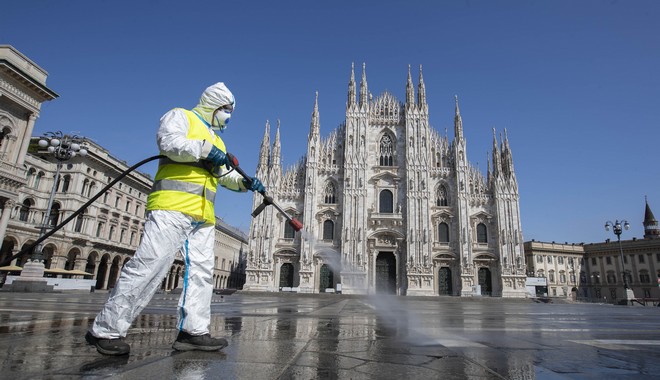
(444, 215)
(387, 238)
(327, 213)
(481, 217)
(385, 178)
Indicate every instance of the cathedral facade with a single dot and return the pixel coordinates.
(388, 206)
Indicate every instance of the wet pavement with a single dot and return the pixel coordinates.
(328, 336)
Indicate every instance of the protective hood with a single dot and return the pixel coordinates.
(215, 96)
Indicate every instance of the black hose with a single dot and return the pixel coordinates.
(81, 209)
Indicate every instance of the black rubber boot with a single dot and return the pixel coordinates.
(187, 342)
(114, 347)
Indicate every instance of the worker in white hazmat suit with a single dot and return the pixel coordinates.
(180, 218)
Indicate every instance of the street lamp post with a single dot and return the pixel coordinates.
(63, 148)
(617, 227)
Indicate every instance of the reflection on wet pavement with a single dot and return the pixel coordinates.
(337, 336)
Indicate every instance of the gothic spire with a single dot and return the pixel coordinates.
(315, 124)
(277, 147)
(651, 228)
(264, 151)
(497, 166)
(421, 92)
(458, 122)
(506, 153)
(351, 87)
(364, 93)
(410, 91)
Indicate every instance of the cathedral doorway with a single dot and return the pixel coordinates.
(286, 275)
(485, 281)
(444, 281)
(326, 278)
(386, 273)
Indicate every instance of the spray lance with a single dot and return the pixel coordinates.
(268, 200)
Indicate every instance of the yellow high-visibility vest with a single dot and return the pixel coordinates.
(187, 187)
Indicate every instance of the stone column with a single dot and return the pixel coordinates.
(26, 139)
(4, 219)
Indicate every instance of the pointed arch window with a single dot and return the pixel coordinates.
(442, 197)
(443, 232)
(386, 151)
(289, 232)
(482, 233)
(328, 230)
(386, 202)
(329, 193)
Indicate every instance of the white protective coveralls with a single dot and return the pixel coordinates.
(168, 232)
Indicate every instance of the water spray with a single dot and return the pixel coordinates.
(268, 200)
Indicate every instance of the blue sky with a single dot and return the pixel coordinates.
(575, 83)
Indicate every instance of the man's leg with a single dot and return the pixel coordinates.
(164, 234)
(195, 302)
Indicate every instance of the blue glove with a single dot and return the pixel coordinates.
(217, 157)
(256, 185)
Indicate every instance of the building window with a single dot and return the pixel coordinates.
(549, 259)
(30, 175)
(329, 193)
(85, 186)
(641, 258)
(625, 259)
(628, 277)
(386, 151)
(37, 180)
(121, 235)
(386, 204)
(328, 230)
(442, 197)
(24, 212)
(289, 232)
(99, 229)
(593, 261)
(79, 221)
(117, 201)
(128, 206)
(644, 277)
(132, 237)
(551, 276)
(608, 260)
(562, 277)
(611, 277)
(539, 259)
(111, 233)
(443, 232)
(54, 216)
(482, 233)
(596, 277)
(66, 183)
(560, 259)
